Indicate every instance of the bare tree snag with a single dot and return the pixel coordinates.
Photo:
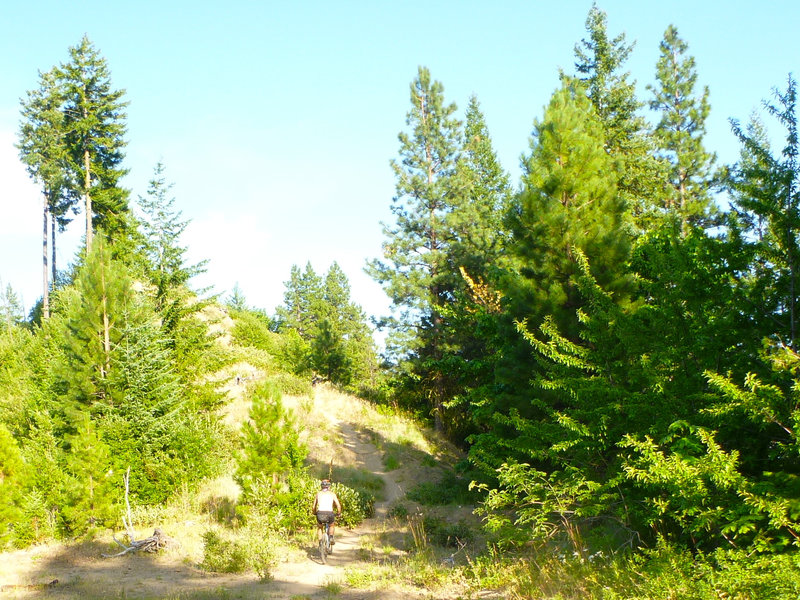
(154, 543)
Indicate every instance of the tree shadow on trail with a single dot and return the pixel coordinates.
(82, 573)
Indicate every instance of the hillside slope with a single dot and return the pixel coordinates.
(344, 435)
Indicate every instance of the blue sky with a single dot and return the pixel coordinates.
(276, 121)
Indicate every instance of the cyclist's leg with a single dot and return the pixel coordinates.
(320, 528)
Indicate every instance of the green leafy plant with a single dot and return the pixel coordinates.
(223, 556)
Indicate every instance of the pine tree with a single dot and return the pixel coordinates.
(10, 308)
(164, 264)
(328, 354)
(599, 63)
(89, 486)
(301, 302)
(236, 300)
(416, 275)
(93, 311)
(163, 227)
(476, 221)
(42, 146)
(94, 119)
(12, 475)
(680, 133)
(477, 254)
(319, 310)
(569, 207)
(351, 360)
(569, 200)
(766, 190)
(270, 441)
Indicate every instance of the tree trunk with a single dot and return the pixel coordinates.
(106, 325)
(87, 182)
(53, 270)
(45, 254)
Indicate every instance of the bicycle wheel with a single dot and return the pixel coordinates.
(323, 554)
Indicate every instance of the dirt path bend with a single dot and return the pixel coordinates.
(82, 574)
(347, 550)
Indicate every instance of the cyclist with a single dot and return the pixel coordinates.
(326, 505)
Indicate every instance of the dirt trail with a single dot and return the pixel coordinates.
(346, 549)
(81, 572)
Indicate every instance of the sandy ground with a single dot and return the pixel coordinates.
(80, 571)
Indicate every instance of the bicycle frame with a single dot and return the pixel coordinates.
(325, 543)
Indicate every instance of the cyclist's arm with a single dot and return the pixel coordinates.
(314, 506)
(337, 506)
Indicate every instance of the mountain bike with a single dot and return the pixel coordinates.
(325, 546)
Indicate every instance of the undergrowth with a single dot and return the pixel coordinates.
(664, 573)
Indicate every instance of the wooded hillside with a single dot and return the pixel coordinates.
(612, 340)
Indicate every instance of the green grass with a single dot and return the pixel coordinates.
(361, 480)
(451, 489)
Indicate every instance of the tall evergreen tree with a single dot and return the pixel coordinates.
(569, 200)
(569, 207)
(94, 119)
(319, 310)
(599, 63)
(680, 133)
(163, 227)
(477, 254)
(766, 194)
(10, 308)
(42, 146)
(476, 222)
(301, 301)
(416, 275)
(354, 355)
(160, 229)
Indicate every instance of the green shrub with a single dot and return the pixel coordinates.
(292, 385)
(253, 329)
(451, 489)
(223, 556)
(445, 534)
(390, 461)
(254, 549)
(290, 502)
(398, 511)
(356, 506)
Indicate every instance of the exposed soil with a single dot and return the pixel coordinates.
(80, 571)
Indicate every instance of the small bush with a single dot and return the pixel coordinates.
(445, 534)
(292, 385)
(223, 556)
(451, 489)
(253, 550)
(390, 461)
(355, 506)
(398, 511)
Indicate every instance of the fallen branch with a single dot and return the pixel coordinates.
(30, 586)
(154, 543)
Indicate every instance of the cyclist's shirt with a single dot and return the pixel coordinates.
(326, 500)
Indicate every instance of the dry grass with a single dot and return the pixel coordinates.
(335, 426)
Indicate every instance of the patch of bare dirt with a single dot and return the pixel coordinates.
(338, 428)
